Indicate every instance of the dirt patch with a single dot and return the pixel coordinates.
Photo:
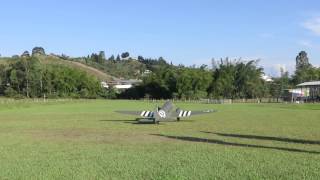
(90, 70)
(101, 75)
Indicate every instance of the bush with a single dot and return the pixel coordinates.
(10, 92)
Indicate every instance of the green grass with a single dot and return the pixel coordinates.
(87, 140)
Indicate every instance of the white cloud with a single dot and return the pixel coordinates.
(275, 69)
(313, 25)
(306, 43)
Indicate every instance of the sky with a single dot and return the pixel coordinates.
(182, 31)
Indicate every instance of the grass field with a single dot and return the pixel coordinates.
(87, 140)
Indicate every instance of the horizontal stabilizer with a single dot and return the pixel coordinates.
(184, 113)
(147, 114)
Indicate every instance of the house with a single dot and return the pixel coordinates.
(120, 84)
(266, 78)
(295, 95)
(305, 92)
(104, 85)
(313, 91)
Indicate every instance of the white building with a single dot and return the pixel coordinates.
(104, 85)
(121, 84)
(266, 78)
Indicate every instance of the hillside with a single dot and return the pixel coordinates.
(90, 70)
(124, 69)
(77, 65)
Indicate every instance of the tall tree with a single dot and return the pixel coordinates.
(304, 70)
(111, 58)
(118, 58)
(101, 57)
(302, 61)
(38, 51)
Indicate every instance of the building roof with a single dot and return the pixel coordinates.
(266, 78)
(313, 83)
(125, 82)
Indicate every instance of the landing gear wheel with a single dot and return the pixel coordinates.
(156, 122)
(178, 119)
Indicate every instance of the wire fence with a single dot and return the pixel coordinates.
(221, 101)
(205, 101)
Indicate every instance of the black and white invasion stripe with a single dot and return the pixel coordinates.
(184, 113)
(147, 114)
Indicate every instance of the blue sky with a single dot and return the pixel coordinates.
(188, 32)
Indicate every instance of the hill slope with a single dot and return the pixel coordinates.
(90, 70)
(55, 60)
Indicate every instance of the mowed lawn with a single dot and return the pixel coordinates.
(85, 139)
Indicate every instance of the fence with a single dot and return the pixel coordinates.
(221, 101)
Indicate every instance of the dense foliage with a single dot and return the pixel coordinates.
(230, 79)
(227, 79)
(28, 77)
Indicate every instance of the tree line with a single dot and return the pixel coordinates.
(227, 78)
(28, 77)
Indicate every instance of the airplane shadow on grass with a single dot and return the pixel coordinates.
(220, 142)
(142, 122)
(267, 138)
(127, 121)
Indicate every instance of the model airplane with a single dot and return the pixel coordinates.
(167, 112)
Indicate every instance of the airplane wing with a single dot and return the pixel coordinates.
(182, 113)
(138, 113)
(203, 112)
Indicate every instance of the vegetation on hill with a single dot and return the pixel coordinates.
(230, 79)
(80, 77)
(102, 76)
(226, 79)
(126, 69)
(29, 77)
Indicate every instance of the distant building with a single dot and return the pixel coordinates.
(305, 92)
(104, 85)
(146, 72)
(266, 78)
(121, 84)
(294, 95)
(313, 91)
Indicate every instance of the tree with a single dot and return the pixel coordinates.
(304, 70)
(140, 58)
(101, 57)
(94, 57)
(125, 55)
(277, 87)
(302, 61)
(237, 79)
(27, 77)
(111, 58)
(25, 54)
(38, 51)
(306, 73)
(118, 58)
